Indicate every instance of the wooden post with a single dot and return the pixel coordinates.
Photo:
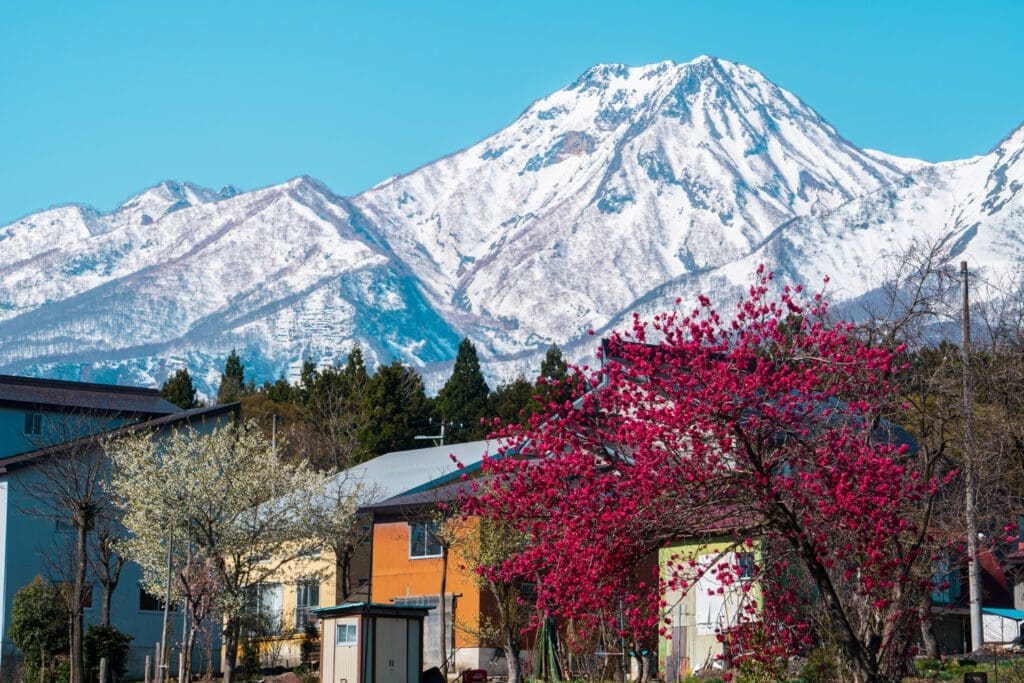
(145, 671)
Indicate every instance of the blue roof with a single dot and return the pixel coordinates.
(1016, 614)
(371, 608)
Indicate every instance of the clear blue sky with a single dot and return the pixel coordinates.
(100, 100)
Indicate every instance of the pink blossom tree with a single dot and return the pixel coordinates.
(768, 424)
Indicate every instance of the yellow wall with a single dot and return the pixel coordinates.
(396, 575)
(285, 650)
(700, 649)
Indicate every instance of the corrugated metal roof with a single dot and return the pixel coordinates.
(405, 472)
(52, 394)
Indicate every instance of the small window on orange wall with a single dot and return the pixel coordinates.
(423, 540)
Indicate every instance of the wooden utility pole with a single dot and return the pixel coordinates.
(970, 473)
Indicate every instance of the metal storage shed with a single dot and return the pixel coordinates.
(365, 642)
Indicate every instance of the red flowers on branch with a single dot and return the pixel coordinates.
(768, 423)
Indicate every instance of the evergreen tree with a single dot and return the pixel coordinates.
(554, 384)
(281, 391)
(510, 402)
(355, 372)
(178, 389)
(554, 366)
(232, 380)
(394, 409)
(462, 401)
(307, 379)
(106, 642)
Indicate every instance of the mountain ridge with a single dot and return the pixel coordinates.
(624, 189)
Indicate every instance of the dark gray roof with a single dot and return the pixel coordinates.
(409, 502)
(53, 394)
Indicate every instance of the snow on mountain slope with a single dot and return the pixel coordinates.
(280, 272)
(974, 208)
(620, 181)
(624, 190)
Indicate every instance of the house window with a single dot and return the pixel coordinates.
(263, 608)
(718, 599)
(745, 562)
(149, 602)
(423, 540)
(307, 597)
(345, 634)
(946, 582)
(366, 534)
(33, 424)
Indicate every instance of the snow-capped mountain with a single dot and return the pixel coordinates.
(620, 192)
(609, 187)
(179, 274)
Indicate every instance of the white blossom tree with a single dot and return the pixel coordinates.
(224, 501)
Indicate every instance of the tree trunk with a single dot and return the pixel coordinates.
(862, 662)
(931, 646)
(187, 653)
(230, 649)
(77, 621)
(515, 673)
(442, 611)
(108, 594)
(342, 574)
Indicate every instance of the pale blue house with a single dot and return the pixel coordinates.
(38, 419)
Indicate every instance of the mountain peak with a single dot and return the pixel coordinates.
(307, 183)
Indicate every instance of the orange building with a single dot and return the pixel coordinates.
(408, 562)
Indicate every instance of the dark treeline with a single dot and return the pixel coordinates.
(340, 416)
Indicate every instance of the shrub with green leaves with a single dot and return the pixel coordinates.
(109, 642)
(821, 667)
(39, 627)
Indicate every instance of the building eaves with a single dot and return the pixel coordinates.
(155, 424)
(31, 393)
